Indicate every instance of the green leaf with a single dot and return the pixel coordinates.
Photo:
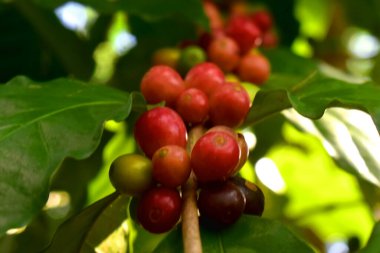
(373, 245)
(308, 90)
(249, 234)
(99, 226)
(40, 125)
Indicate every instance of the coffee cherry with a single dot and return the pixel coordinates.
(131, 174)
(171, 165)
(262, 19)
(244, 32)
(221, 203)
(224, 52)
(159, 209)
(193, 106)
(253, 195)
(206, 76)
(166, 56)
(229, 105)
(190, 56)
(158, 127)
(270, 39)
(244, 152)
(254, 68)
(225, 129)
(214, 156)
(162, 83)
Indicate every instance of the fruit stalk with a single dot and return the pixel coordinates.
(190, 222)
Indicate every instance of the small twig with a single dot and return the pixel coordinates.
(190, 221)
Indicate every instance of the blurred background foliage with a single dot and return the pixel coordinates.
(111, 43)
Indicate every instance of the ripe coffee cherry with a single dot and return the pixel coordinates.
(253, 195)
(171, 165)
(131, 174)
(190, 56)
(244, 152)
(193, 106)
(158, 127)
(205, 76)
(159, 209)
(254, 68)
(262, 19)
(229, 105)
(166, 56)
(162, 83)
(225, 129)
(270, 39)
(214, 156)
(221, 203)
(224, 52)
(244, 32)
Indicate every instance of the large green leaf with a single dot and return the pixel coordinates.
(303, 86)
(248, 235)
(40, 125)
(98, 227)
(373, 245)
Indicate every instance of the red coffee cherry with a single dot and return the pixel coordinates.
(224, 52)
(244, 32)
(159, 209)
(254, 68)
(205, 76)
(229, 105)
(214, 156)
(221, 204)
(158, 127)
(162, 83)
(171, 165)
(193, 106)
(270, 39)
(262, 19)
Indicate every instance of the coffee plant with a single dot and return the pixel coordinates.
(189, 126)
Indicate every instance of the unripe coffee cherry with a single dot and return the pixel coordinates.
(254, 68)
(166, 56)
(162, 83)
(206, 76)
(193, 106)
(158, 127)
(229, 105)
(224, 52)
(171, 165)
(190, 56)
(159, 209)
(215, 156)
(131, 174)
(222, 203)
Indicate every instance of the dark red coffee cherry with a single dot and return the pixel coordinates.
(206, 77)
(253, 195)
(158, 127)
(229, 105)
(224, 52)
(262, 19)
(221, 203)
(159, 209)
(193, 106)
(214, 156)
(254, 68)
(171, 165)
(244, 32)
(162, 83)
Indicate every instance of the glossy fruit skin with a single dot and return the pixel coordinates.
(189, 57)
(254, 68)
(193, 106)
(131, 174)
(244, 152)
(244, 32)
(205, 76)
(221, 111)
(214, 156)
(159, 209)
(158, 127)
(222, 203)
(162, 83)
(255, 200)
(171, 166)
(224, 52)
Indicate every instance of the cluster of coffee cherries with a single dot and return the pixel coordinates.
(233, 43)
(205, 101)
